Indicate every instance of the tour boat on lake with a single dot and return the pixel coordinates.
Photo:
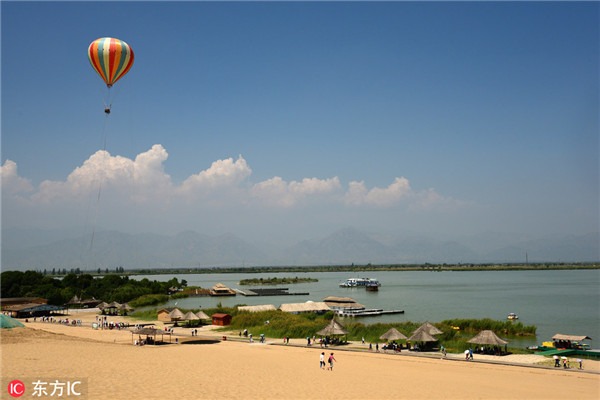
(360, 282)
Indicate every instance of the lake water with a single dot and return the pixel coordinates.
(565, 301)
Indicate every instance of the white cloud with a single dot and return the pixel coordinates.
(139, 190)
(358, 194)
(221, 174)
(277, 192)
(12, 183)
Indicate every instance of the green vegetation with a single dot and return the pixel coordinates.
(276, 281)
(108, 288)
(283, 324)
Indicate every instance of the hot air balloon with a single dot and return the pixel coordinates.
(111, 58)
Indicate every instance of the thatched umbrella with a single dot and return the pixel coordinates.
(190, 316)
(393, 334)
(176, 315)
(429, 328)
(333, 328)
(202, 315)
(421, 336)
(102, 305)
(487, 337)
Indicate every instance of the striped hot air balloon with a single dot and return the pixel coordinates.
(111, 58)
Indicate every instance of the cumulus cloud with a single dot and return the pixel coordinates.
(358, 194)
(222, 173)
(143, 180)
(276, 191)
(12, 183)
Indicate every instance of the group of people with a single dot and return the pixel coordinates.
(566, 363)
(331, 359)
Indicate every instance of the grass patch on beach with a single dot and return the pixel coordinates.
(282, 324)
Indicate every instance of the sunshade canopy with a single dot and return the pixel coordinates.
(334, 328)
(576, 338)
(421, 336)
(487, 337)
(393, 334)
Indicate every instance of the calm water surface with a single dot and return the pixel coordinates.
(555, 301)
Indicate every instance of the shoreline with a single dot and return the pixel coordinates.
(234, 368)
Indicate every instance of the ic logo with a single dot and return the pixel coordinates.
(16, 388)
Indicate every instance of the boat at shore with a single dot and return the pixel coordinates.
(360, 282)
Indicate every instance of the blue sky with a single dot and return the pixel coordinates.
(292, 120)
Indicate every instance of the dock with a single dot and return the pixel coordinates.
(368, 312)
(269, 292)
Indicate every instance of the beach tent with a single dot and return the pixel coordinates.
(487, 337)
(333, 328)
(9, 322)
(393, 334)
(429, 328)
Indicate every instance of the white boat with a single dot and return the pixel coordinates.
(360, 282)
(512, 316)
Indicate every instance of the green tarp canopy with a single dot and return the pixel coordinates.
(9, 322)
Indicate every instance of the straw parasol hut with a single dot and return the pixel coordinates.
(487, 337)
(422, 336)
(202, 315)
(125, 308)
(176, 315)
(429, 328)
(190, 316)
(393, 334)
(493, 344)
(333, 328)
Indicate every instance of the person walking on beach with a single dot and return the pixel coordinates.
(322, 360)
(331, 360)
(556, 361)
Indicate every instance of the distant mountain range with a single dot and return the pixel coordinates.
(36, 249)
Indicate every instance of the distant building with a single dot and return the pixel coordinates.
(221, 319)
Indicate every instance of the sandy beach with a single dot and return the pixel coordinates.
(110, 367)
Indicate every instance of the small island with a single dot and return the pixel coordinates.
(276, 281)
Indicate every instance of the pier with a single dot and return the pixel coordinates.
(269, 292)
(368, 312)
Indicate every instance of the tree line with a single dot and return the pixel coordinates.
(108, 288)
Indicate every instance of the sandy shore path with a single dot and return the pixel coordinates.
(112, 368)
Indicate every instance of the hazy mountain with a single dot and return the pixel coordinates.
(32, 249)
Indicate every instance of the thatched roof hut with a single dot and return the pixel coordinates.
(342, 303)
(176, 315)
(309, 306)
(333, 328)
(258, 308)
(150, 333)
(429, 328)
(190, 316)
(202, 315)
(393, 334)
(487, 337)
(421, 336)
